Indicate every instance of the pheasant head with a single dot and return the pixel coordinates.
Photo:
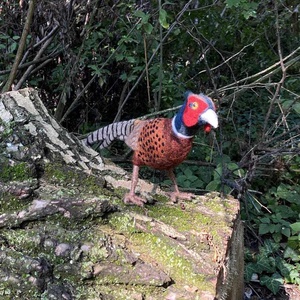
(197, 110)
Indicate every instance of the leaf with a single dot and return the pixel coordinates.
(163, 19)
(277, 236)
(119, 56)
(130, 59)
(198, 184)
(142, 15)
(270, 247)
(265, 220)
(188, 172)
(123, 76)
(250, 269)
(283, 266)
(296, 108)
(294, 276)
(232, 3)
(265, 264)
(295, 227)
(148, 28)
(264, 228)
(294, 242)
(287, 104)
(290, 253)
(181, 179)
(286, 231)
(286, 193)
(213, 185)
(186, 184)
(273, 283)
(192, 178)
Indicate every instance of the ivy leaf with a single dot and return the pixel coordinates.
(294, 276)
(290, 253)
(273, 283)
(270, 246)
(265, 264)
(250, 269)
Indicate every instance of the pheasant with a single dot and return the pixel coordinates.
(160, 143)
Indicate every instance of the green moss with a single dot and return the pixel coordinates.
(66, 176)
(215, 203)
(10, 290)
(8, 129)
(123, 223)
(178, 267)
(17, 172)
(119, 291)
(10, 204)
(55, 173)
(181, 219)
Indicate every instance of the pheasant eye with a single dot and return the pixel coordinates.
(194, 105)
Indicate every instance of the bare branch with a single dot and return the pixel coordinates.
(21, 47)
(30, 68)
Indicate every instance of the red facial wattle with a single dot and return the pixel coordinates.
(207, 128)
(194, 107)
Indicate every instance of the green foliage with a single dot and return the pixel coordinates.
(272, 269)
(247, 8)
(277, 260)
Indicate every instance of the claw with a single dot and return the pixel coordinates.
(134, 199)
(180, 195)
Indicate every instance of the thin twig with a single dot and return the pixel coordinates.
(281, 82)
(30, 68)
(147, 70)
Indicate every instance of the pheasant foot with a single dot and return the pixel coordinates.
(174, 196)
(134, 199)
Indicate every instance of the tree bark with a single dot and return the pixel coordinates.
(66, 233)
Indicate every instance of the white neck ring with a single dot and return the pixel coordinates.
(177, 133)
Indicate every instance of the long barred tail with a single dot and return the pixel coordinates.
(105, 135)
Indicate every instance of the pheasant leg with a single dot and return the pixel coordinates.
(176, 194)
(131, 197)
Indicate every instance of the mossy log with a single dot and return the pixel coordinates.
(66, 233)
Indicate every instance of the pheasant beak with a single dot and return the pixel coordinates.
(210, 117)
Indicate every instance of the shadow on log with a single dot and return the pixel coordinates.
(66, 233)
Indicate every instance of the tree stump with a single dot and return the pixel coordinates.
(66, 234)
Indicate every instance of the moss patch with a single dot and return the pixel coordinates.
(16, 172)
(158, 250)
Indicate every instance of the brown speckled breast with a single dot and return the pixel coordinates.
(158, 147)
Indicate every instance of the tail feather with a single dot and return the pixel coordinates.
(107, 134)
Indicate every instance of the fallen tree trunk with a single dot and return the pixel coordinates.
(66, 233)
